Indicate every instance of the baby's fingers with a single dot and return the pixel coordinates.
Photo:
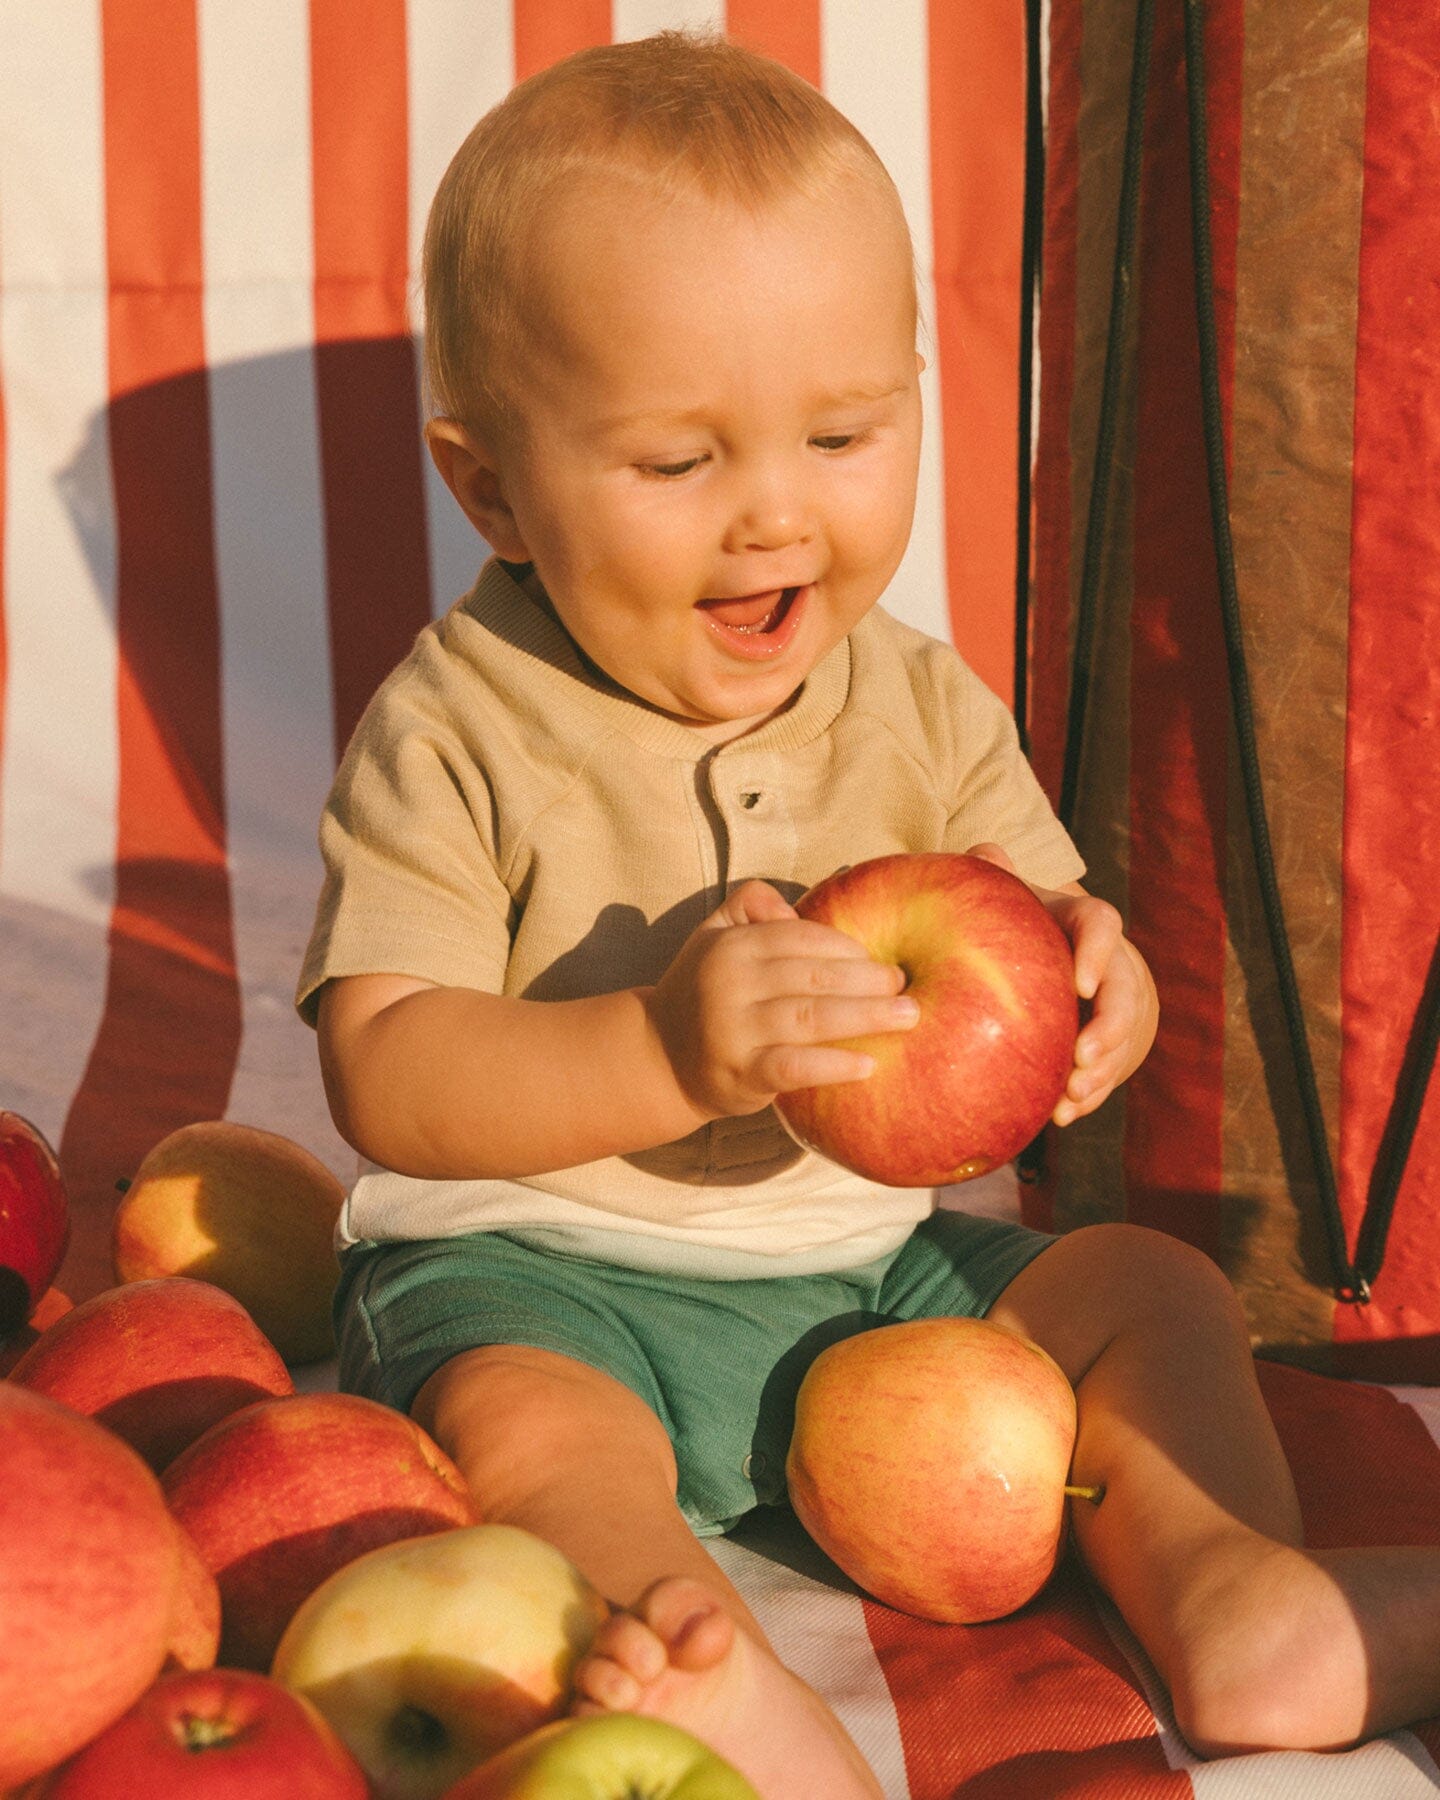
(821, 976)
(785, 1067)
(834, 1018)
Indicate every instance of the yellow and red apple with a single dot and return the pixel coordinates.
(193, 1640)
(158, 1362)
(281, 1494)
(250, 1211)
(930, 1460)
(972, 1082)
(431, 1655)
(220, 1734)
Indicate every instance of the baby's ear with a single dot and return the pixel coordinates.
(471, 471)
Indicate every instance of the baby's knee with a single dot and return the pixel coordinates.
(515, 1418)
(1151, 1272)
(1251, 1707)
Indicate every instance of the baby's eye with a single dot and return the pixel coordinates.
(669, 471)
(839, 440)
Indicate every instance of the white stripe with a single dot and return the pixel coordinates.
(1425, 1401)
(60, 755)
(269, 537)
(643, 18)
(875, 67)
(461, 60)
(1390, 1768)
(816, 1625)
(1396, 1767)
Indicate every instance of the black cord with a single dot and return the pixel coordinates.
(1122, 284)
(1031, 252)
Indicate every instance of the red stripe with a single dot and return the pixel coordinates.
(1366, 1468)
(1050, 617)
(1041, 1703)
(545, 32)
(1392, 795)
(1179, 729)
(977, 200)
(165, 1051)
(788, 30)
(377, 561)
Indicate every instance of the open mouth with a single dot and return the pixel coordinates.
(753, 615)
(756, 627)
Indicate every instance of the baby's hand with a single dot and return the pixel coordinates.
(1110, 974)
(757, 998)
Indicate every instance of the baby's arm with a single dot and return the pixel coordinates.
(450, 1083)
(1111, 974)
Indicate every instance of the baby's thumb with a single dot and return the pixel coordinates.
(993, 853)
(752, 903)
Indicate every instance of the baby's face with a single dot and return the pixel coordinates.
(716, 476)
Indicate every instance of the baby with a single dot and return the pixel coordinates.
(558, 978)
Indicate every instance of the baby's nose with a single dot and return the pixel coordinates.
(774, 514)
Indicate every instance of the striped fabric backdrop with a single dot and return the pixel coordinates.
(1323, 143)
(219, 530)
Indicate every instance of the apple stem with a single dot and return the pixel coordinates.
(1093, 1494)
(198, 1733)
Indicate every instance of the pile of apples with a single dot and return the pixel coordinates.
(215, 1585)
(203, 1570)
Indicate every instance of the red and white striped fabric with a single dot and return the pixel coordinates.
(217, 533)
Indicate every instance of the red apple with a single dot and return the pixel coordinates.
(281, 1494)
(929, 1460)
(967, 1087)
(219, 1734)
(34, 1220)
(159, 1362)
(193, 1641)
(89, 1561)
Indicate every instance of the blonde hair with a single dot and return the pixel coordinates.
(678, 109)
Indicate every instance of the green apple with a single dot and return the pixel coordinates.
(608, 1756)
(431, 1654)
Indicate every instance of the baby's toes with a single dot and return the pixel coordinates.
(624, 1657)
(688, 1619)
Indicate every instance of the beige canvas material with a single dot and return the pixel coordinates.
(507, 819)
(1301, 179)
(1292, 397)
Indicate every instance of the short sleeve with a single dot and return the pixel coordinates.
(411, 884)
(996, 796)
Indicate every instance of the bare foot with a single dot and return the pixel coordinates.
(680, 1656)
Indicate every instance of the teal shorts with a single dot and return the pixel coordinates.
(719, 1362)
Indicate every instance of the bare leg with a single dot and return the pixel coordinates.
(566, 1452)
(1198, 1540)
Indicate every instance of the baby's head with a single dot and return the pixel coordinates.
(671, 349)
(658, 116)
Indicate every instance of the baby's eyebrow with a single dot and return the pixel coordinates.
(863, 394)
